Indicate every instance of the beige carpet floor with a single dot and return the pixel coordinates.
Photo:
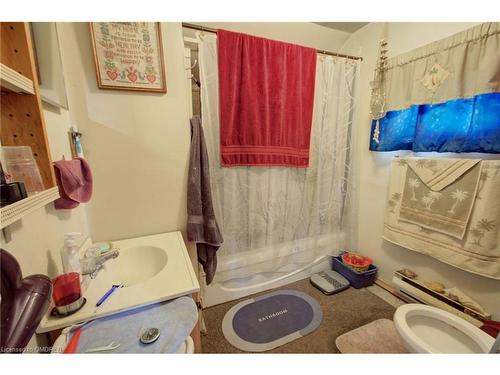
(379, 336)
(342, 312)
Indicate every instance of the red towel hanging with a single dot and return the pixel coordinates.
(266, 95)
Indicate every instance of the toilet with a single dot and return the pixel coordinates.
(427, 329)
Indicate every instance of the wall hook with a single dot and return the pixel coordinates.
(192, 66)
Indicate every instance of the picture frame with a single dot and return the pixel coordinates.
(128, 56)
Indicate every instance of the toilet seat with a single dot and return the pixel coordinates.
(427, 329)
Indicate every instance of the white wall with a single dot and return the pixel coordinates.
(374, 168)
(136, 143)
(303, 33)
(36, 239)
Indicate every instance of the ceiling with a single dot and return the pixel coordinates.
(348, 27)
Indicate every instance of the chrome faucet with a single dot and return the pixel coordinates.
(112, 254)
(92, 264)
(495, 349)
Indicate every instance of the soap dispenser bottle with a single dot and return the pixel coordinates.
(69, 254)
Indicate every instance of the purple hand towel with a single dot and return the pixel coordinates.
(74, 179)
(202, 226)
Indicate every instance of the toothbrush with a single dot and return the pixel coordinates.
(76, 141)
(73, 342)
(108, 294)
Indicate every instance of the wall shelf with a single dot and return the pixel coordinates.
(16, 211)
(14, 81)
(22, 117)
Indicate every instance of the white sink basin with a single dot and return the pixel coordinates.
(154, 269)
(136, 264)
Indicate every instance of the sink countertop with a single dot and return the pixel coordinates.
(176, 279)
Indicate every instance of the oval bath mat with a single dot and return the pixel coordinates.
(271, 320)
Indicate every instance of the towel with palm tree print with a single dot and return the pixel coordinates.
(439, 194)
(478, 250)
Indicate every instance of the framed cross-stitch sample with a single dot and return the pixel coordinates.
(128, 56)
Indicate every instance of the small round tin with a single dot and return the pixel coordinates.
(150, 335)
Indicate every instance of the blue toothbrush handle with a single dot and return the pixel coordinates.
(105, 296)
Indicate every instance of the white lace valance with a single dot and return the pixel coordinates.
(460, 66)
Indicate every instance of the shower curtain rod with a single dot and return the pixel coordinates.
(320, 51)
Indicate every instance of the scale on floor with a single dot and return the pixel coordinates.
(329, 282)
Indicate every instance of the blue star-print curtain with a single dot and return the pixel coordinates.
(460, 125)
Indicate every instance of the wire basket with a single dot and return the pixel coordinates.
(349, 258)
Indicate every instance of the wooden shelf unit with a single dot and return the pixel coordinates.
(22, 120)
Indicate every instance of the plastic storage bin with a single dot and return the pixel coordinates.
(21, 166)
(357, 279)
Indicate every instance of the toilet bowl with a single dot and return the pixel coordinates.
(426, 329)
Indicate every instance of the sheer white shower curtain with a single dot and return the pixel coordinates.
(276, 219)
